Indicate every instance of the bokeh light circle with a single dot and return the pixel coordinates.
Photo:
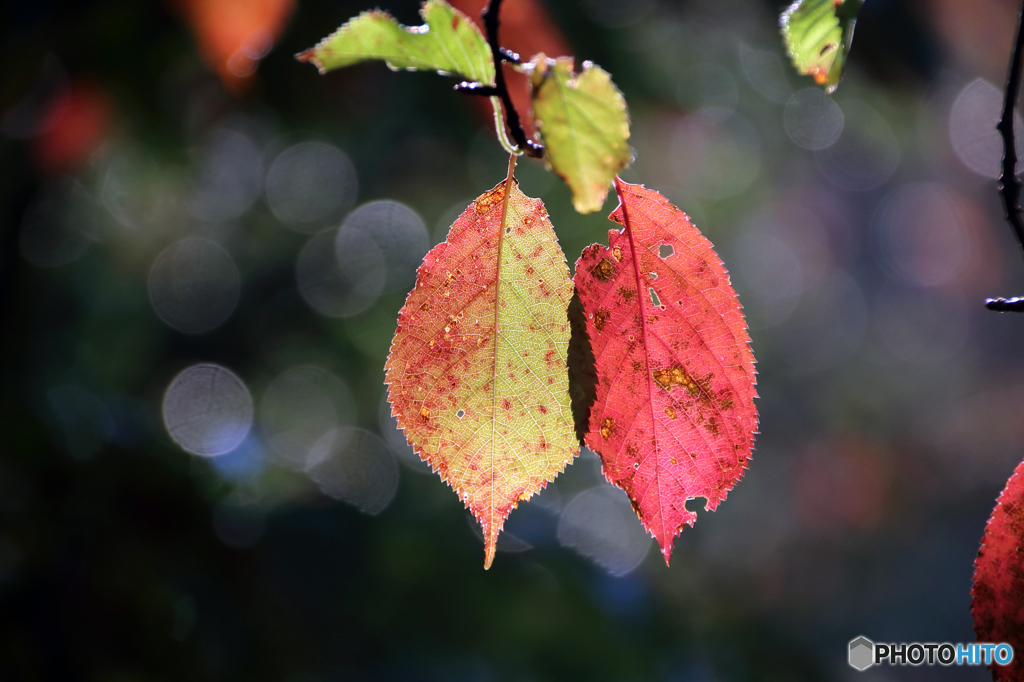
(299, 407)
(311, 184)
(355, 466)
(194, 285)
(400, 234)
(812, 119)
(207, 410)
(601, 525)
(340, 275)
(229, 179)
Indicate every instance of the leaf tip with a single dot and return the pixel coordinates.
(309, 57)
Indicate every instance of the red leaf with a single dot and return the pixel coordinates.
(997, 597)
(674, 417)
(75, 125)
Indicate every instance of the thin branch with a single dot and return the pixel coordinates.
(515, 126)
(1009, 185)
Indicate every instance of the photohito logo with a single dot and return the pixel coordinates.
(864, 653)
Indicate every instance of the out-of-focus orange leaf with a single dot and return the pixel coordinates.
(74, 127)
(233, 35)
(527, 29)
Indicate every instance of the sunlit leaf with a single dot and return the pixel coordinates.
(674, 418)
(997, 596)
(448, 42)
(818, 35)
(584, 123)
(477, 370)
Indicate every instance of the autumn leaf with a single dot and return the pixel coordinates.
(449, 42)
(74, 126)
(674, 418)
(583, 121)
(233, 35)
(997, 596)
(477, 370)
(818, 35)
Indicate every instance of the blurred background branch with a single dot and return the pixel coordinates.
(1009, 183)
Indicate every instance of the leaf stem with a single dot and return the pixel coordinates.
(1009, 185)
(515, 126)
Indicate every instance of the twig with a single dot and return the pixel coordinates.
(515, 126)
(1009, 184)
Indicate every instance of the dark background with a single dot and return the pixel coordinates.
(890, 401)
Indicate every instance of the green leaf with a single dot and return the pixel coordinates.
(584, 123)
(449, 43)
(818, 35)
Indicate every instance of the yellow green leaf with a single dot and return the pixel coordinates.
(584, 123)
(477, 372)
(818, 35)
(449, 42)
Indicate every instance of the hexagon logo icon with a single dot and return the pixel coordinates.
(862, 653)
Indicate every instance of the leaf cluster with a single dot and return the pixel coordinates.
(502, 364)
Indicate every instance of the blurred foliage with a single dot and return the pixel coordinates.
(860, 242)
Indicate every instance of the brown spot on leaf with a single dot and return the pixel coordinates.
(676, 376)
(670, 411)
(604, 270)
(483, 203)
(627, 294)
(606, 427)
(617, 253)
(424, 414)
(506, 403)
(600, 317)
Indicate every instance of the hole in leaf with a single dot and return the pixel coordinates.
(653, 275)
(508, 230)
(665, 250)
(654, 297)
(460, 414)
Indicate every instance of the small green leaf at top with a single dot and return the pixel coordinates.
(583, 121)
(818, 35)
(449, 43)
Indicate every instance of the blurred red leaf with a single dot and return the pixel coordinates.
(527, 29)
(73, 127)
(233, 35)
(997, 596)
(674, 416)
